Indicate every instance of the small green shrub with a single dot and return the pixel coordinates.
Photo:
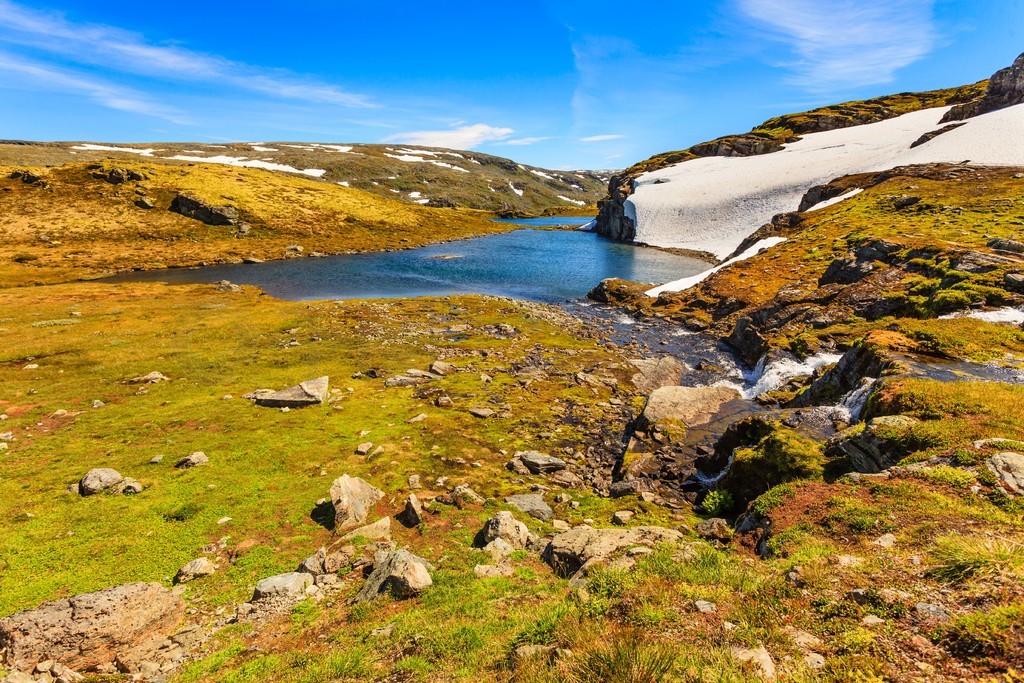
(718, 502)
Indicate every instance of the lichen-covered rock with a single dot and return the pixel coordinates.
(582, 547)
(353, 499)
(99, 479)
(1009, 468)
(91, 629)
(505, 526)
(309, 393)
(871, 450)
(399, 572)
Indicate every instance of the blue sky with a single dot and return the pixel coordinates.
(555, 83)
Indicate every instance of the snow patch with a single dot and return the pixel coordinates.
(250, 163)
(687, 282)
(835, 200)
(89, 147)
(577, 202)
(261, 148)
(515, 189)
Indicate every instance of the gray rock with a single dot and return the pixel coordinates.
(290, 585)
(192, 460)
(1009, 468)
(412, 515)
(353, 499)
(399, 572)
(716, 529)
(540, 463)
(97, 480)
(868, 452)
(315, 564)
(506, 527)
(193, 570)
(482, 413)
(583, 546)
(439, 367)
(655, 373)
(378, 531)
(532, 504)
(309, 393)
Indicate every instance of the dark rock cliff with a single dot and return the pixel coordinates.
(1005, 89)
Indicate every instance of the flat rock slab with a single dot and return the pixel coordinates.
(91, 629)
(312, 392)
(532, 504)
(541, 463)
(290, 585)
(572, 550)
(655, 373)
(690, 406)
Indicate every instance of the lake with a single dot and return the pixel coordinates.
(535, 265)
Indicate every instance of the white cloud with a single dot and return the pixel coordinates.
(847, 43)
(112, 96)
(464, 137)
(601, 138)
(117, 50)
(525, 141)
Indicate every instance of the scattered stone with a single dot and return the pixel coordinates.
(403, 381)
(127, 487)
(540, 463)
(930, 612)
(705, 607)
(815, 661)
(156, 460)
(290, 585)
(487, 571)
(532, 504)
(795, 577)
(309, 393)
(464, 494)
(482, 413)
(419, 418)
(573, 550)
(150, 378)
(845, 561)
(315, 564)
(759, 657)
(622, 517)
(364, 448)
(716, 529)
(97, 480)
(412, 515)
(91, 629)
(872, 620)
(506, 527)
(439, 367)
(414, 481)
(378, 531)
(1009, 468)
(525, 653)
(228, 286)
(886, 541)
(98, 404)
(560, 524)
(353, 499)
(403, 574)
(620, 489)
(193, 570)
(192, 460)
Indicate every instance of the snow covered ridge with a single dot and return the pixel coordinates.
(712, 204)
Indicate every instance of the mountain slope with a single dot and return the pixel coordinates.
(416, 175)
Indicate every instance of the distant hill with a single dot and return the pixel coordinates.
(418, 175)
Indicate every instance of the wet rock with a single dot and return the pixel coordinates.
(192, 460)
(290, 585)
(540, 463)
(91, 629)
(655, 373)
(1009, 468)
(412, 515)
(97, 480)
(532, 504)
(353, 499)
(748, 342)
(193, 570)
(868, 451)
(399, 572)
(191, 207)
(309, 393)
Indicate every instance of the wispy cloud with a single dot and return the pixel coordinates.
(116, 50)
(106, 94)
(847, 43)
(601, 138)
(525, 141)
(463, 137)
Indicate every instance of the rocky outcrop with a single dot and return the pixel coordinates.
(353, 499)
(583, 547)
(655, 373)
(1005, 89)
(312, 392)
(876, 447)
(92, 629)
(685, 406)
(190, 207)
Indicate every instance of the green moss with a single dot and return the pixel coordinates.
(783, 455)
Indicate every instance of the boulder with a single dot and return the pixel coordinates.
(353, 499)
(655, 373)
(192, 460)
(92, 629)
(506, 527)
(532, 504)
(1009, 468)
(309, 393)
(582, 547)
(412, 515)
(378, 531)
(439, 367)
(315, 564)
(290, 585)
(868, 451)
(540, 463)
(482, 413)
(193, 570)
(622, 517)
(716, 529)
(128, 487)
(674, 407)
(399, 572)
(748, 342)
(190, 207)
(97, 480)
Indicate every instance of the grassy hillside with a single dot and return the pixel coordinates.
(415, 175)
(72, 223)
